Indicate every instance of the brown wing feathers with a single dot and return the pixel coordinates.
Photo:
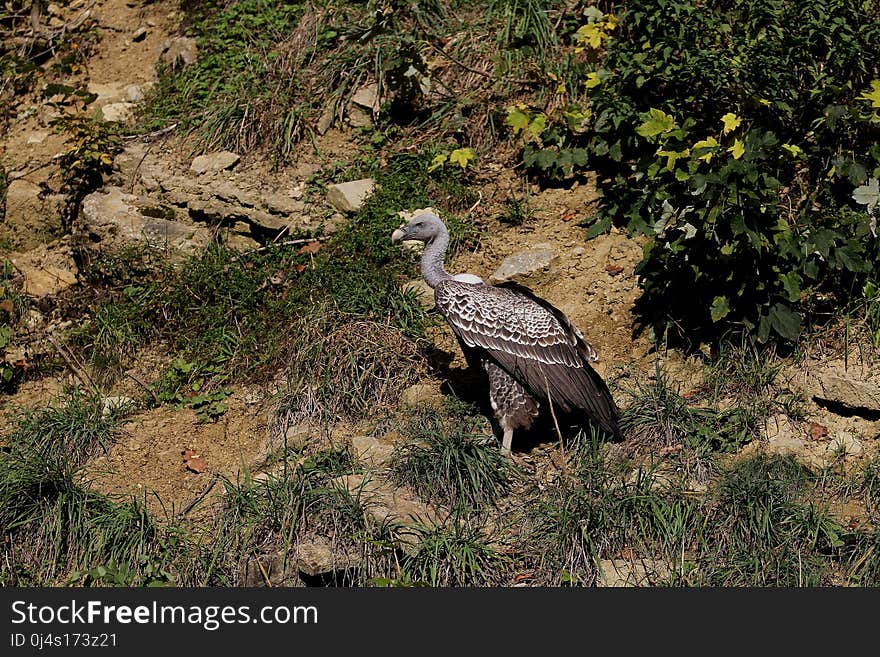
(533, 341)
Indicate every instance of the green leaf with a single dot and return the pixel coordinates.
(598, 228)
(791, 282)
(785, 321)
(720, 308)
(657, 122)
(462, 157)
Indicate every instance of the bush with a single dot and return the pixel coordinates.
(734, 135)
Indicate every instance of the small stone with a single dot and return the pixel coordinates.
(53, 9)
(117, 112)
(325, 120)
(367, 97)
(421, 395)
(846, 444)
(118, 404)
(139, 34)
(214, 162)
(37, 137)
(524, 264)
(578, 251)
(359, 118)
(281, 204)
(133, 93)
(350, 196)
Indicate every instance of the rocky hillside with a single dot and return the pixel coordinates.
(207, 337)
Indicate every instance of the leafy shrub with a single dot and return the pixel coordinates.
(741, 138)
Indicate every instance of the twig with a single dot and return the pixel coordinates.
(145, 387)
(189, 507)
(154, 133)
(79, 373)
(305, 240)
(475, 205)
(468, 68)
(263, 570)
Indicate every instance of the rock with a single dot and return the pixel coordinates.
(139, 34)
(839, 387)
(359, 118)
(179, 51)
(421, 395)
(524, 264)
(241, 243)
(389, 504)
(47, 269)
(53, 9)
(317, 557)
(214, 162)
(117, 112)
(350, 196)
(111, 221)
(372, 451)
(32, 216)
(37, 137)
(325, 120)
(133, 93)
(422, 290)
(367, 97)
(625, 573)
(116, 405)
(267, 221)
(110, 92)
(281, 204)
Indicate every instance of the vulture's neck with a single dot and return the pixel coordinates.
(432, 260)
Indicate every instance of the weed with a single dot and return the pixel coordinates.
(447, 462)
(455, 554)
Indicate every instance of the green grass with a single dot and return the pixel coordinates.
(449, 461)
(54, 528)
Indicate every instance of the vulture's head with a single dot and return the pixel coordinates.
(423, 227)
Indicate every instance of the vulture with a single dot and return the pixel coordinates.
(529, 349)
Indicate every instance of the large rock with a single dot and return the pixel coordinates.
(840, 387)
(524, 264)
(371, 450)
(421, 395)
(110, 220)
(214, 162)
(388, 504)
(32, 216)
(350, 196)
(47, 269)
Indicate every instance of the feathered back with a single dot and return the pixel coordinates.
(531, 340)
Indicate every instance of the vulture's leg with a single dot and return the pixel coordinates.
(514, 407)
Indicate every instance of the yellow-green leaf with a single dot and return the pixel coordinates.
(709, 144)
(720, 308)
(737, 149)
(593, 80)
(517, 119)
(437, 162)
(658, 123)
(672, 157)
(794, 149)
(731, 122)
(873, 95)
(537, 126)
(462, 157)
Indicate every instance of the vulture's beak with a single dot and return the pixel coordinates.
(397, 235)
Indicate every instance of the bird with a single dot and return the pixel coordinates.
(530, 350)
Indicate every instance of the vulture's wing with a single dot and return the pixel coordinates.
(533, 341)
